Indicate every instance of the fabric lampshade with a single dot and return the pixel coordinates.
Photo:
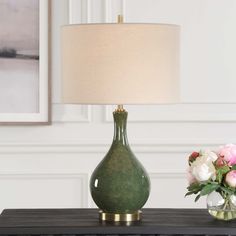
(120, 63)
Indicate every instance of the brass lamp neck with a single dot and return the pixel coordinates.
(120, 19)
(120, 108)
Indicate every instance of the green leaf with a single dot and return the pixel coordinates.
(197, 197)
(190, 193)
(221, 171)
(209, 188)
(219, 177)
(233, 167)
(227, 190)
(194, 187)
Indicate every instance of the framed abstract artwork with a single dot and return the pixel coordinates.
(24, 62)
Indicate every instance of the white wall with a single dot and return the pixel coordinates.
(50, 166)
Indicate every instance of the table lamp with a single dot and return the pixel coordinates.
(120, 64)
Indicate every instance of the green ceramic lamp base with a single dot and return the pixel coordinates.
(120, 217)
(120, 185)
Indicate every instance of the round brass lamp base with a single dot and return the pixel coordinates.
(114, 217)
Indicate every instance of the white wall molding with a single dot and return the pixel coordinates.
(71, 113)
(167, 175)
(112, 9)
(79, 11)
(185, 112)
(69, 148)
(175, 185)
(123, 7)
(107, 11)
(81, 178)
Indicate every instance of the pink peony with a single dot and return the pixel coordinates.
(228, 153)
(230, 178)
(190, 177)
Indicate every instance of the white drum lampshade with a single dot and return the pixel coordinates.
(120, 63)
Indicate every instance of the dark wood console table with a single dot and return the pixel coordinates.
(85, 222)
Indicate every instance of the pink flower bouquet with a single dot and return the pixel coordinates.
(214, 174)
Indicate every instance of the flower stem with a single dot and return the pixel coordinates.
(227, 210)
(226, 203)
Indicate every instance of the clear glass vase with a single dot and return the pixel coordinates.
(221, 207)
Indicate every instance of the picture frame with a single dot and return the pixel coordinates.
(39, 111)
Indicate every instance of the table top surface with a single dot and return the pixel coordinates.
(85, 221)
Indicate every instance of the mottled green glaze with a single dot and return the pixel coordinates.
(120, 183)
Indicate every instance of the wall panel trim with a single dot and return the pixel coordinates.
(63, 148)
(184, 112)
(9, 175)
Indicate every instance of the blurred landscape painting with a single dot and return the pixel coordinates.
(19, 56)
